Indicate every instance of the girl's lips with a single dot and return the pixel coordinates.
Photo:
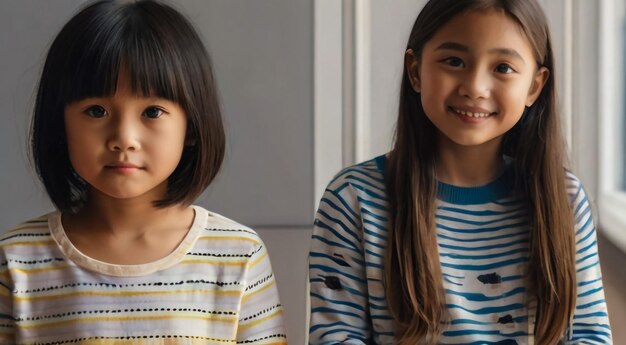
(122, 167)
(472, 112)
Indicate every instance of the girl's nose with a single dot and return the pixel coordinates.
(124, 136)
(475, 85)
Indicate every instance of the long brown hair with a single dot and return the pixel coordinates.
(413, 279)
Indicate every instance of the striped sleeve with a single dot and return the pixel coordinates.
(7, 323)
(591, 321)
(261, 314)
(338, 286)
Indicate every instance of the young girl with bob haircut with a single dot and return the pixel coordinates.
(127, 132)
(470, 231)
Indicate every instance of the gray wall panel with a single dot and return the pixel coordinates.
(263, 59)
(26, 30)
(263, 56)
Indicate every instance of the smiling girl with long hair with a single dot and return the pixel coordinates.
(471, 230)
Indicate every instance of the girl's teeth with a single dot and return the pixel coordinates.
(470, 114)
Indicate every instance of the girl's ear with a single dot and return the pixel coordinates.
(412, 67)
(539, 80)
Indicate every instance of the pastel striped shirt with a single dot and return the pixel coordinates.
(483, 243)
(217, 287)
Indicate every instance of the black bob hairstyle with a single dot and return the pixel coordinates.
(164, 57)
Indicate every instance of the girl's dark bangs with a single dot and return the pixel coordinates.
(138, 54)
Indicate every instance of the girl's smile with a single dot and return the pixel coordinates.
(471, 115)
(472, 112)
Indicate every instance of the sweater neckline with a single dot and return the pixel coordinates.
(497, 189)
(76, 256)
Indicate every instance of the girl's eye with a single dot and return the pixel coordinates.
(153, 112)
(454, 62)
(96, 111)
(504, 69)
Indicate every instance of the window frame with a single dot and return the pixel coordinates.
(611, 105)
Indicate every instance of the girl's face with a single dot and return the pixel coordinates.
(125, 146)
(475, 77)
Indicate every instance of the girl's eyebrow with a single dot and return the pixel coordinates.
(453, 46)
(463, 48)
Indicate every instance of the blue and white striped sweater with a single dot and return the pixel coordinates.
(483, 244)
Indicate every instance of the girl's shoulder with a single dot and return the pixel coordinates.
(32, 230)
(370, 172)
(217, 227)
(572, 182)
(573, 185)
(575, 188)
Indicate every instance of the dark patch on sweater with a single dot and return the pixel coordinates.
(339, 260)
(491, 278)
(506, 319)
(332, 282)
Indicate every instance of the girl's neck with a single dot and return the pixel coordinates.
(130, 217)
(469, 166)
(128, 233)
